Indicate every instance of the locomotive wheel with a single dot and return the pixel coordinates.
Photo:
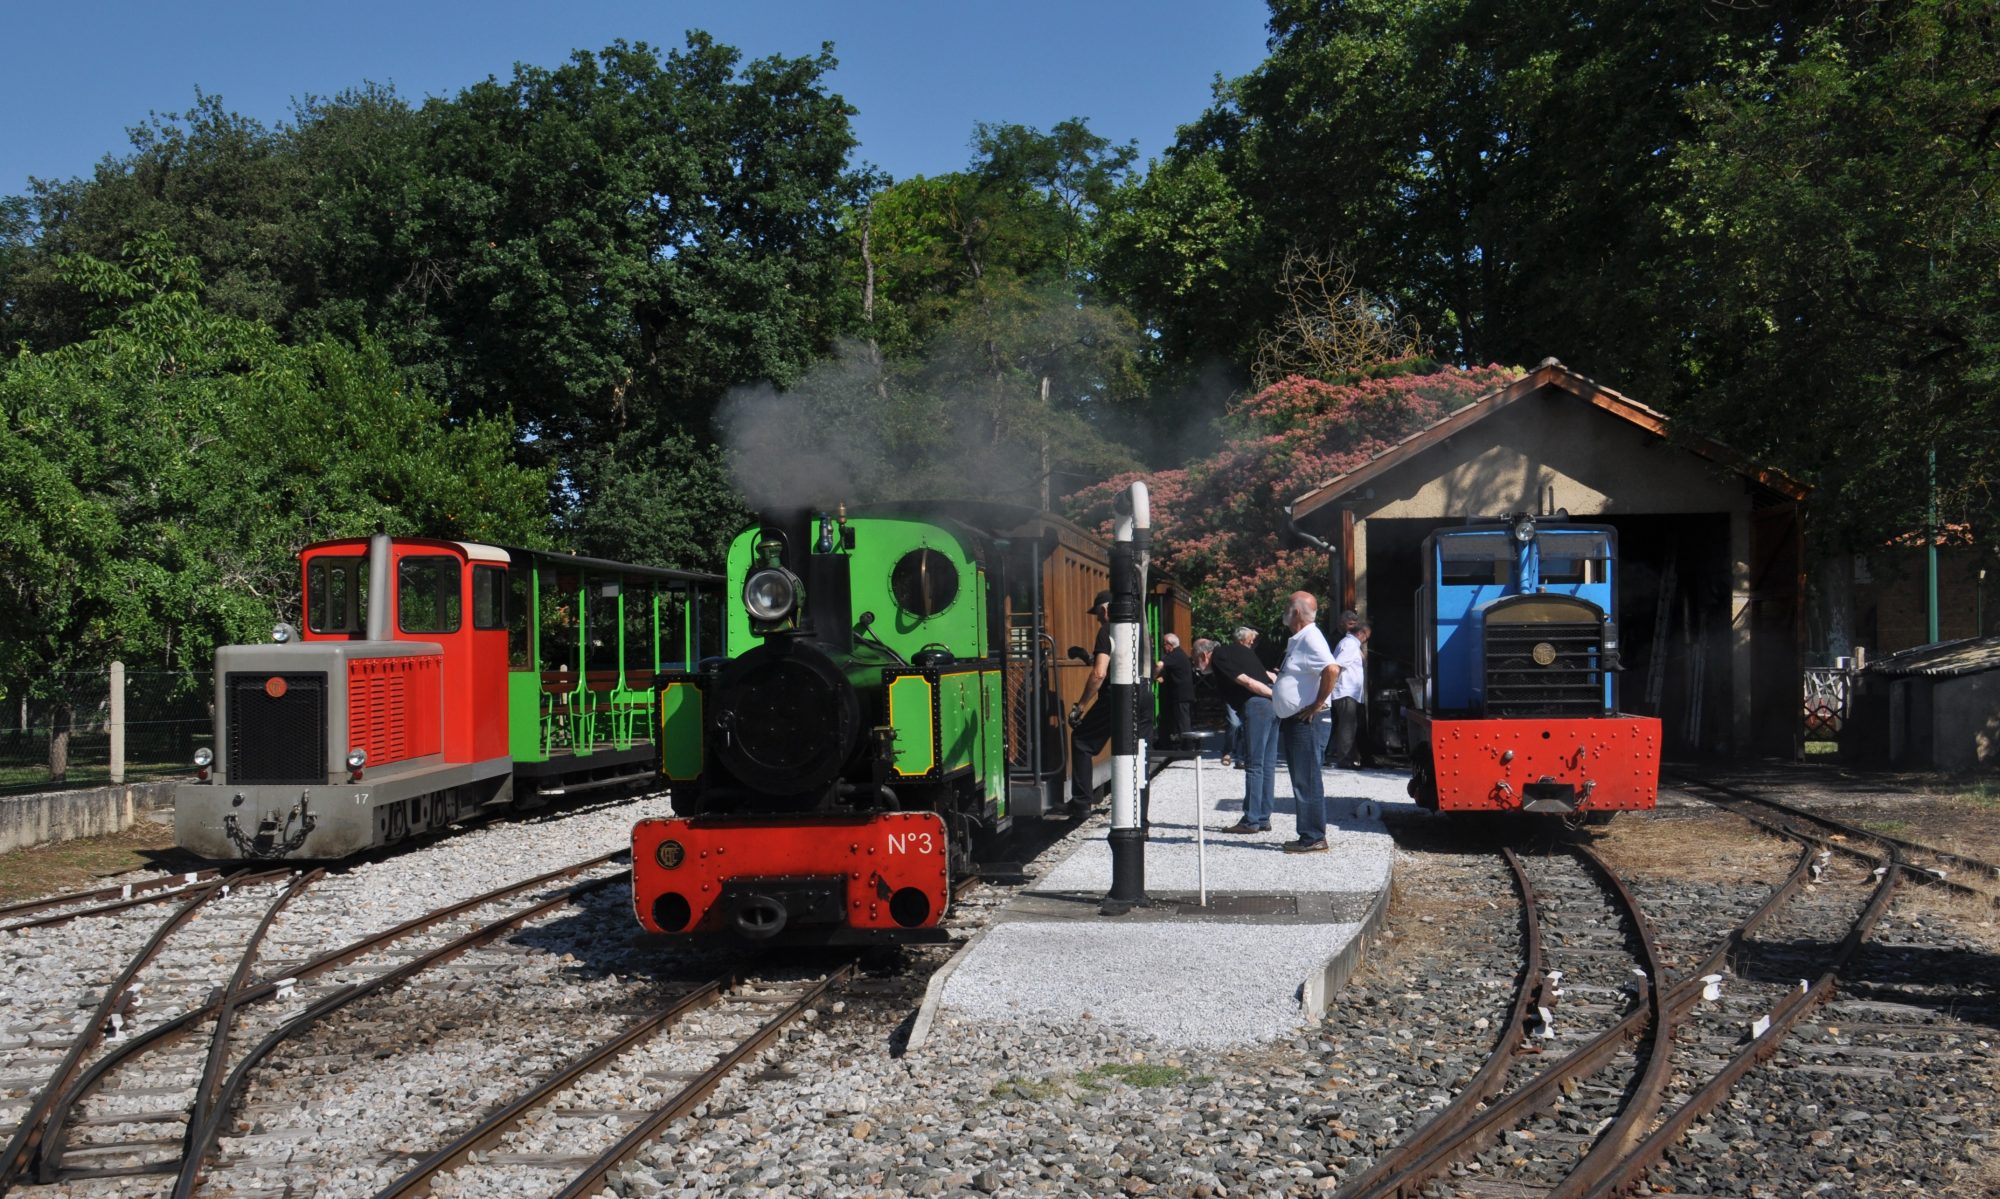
(1423, 778)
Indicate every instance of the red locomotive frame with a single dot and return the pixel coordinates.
(1608, 763)
(840, 877)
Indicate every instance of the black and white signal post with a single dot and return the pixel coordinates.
(1130, 553)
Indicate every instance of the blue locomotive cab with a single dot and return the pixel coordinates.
(1481, 573)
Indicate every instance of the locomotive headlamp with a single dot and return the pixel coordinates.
(203, 758)
(357, 758)
(282, 632)
(771, 594)
(1524, 529)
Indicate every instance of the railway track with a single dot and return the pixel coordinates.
(1925, 864)
(136, 1107)
(1657, 1056)
(103, 901)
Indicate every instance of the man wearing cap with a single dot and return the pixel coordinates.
(1089, 719)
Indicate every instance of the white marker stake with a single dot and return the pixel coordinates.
(1759, 1027)
(1200, 837)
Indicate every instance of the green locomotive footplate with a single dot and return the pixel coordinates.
(947, 721)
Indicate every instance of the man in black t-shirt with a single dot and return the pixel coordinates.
(1245, 685)
(1090, 716)
(1175, 675)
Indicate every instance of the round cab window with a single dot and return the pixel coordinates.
(924, 583)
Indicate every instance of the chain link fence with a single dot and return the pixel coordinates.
(166, 719)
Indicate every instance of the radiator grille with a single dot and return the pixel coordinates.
(392, 706)
(1568, 685)
(276, 738)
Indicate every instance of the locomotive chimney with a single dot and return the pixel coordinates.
(378, 587)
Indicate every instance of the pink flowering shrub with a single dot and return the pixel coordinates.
(1216, 521)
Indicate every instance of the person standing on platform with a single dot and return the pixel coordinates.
(1090, 716)
(1349, 691)
(1174, 673)
(1246, 688)
(1304, 687)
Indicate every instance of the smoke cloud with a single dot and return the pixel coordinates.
(858, 430)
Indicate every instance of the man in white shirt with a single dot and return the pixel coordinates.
(1302, 692)
(1349, 690)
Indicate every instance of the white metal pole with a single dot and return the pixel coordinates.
(1200, 836)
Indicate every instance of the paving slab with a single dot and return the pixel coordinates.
(1241, 942)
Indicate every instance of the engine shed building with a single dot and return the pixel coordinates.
(1711, 605)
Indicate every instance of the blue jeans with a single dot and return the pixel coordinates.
(1305, 742)
(1260, 761)
(1232, 741)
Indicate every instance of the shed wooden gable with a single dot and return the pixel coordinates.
(1536, 443)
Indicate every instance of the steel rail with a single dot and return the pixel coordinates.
(204, 1141)
(1618, 1177)
(120, 891)
(218, 1044)
(417, 1179)
(20, 1150)
(1974, 866)
(50, 1166)
(1644, 1100)
(692, 1095)
(239, 878)
(1435, 1152)
(1491, 1078)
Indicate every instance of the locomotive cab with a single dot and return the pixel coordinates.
(1516, 699)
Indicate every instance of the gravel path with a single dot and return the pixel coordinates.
(1892, 1089)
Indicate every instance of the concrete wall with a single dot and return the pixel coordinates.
(27, 820)
(1552, 450)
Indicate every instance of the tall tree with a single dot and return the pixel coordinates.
(157, 477)
(1838, 231)
(1500, 172)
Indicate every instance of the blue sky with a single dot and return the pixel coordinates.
(72, 79)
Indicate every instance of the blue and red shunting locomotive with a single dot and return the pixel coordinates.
(1515, 700)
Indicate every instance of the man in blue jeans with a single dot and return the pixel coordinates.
(1304, 686)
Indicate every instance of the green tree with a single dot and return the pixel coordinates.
(986, 356)
(157, 478)
(1839, 231)
(1498, 172)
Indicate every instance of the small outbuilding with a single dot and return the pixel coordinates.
(1711, 547)
(1935, 707)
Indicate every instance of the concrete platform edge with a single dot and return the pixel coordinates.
(50, 816)
(920, 1030)
(1326, 982)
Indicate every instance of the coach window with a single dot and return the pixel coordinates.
(559, 601)
(427, 594)
(601, 594)
(334, 592)
(520, 619)
(639, 653)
